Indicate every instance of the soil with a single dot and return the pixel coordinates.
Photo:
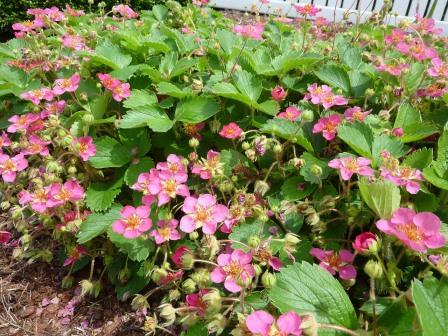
(32, 302)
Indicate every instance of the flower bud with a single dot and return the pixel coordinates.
(257, 269)
(193, 235)
(197, 85)
(168, 313)
(124, 275)
(254, 241)
(88, 118)
(261, 187)
(309, 325)
(201, 277)
(139, 302)
(5, 205)
(217, 324)
(158, 274)
(245, 145)
(369, 92)
(71, 170)
(86, 287)
(174, 295)
(268, 279)
(307, 116)
(150, 325)
(193, 143)
(213, 301)
(373, 269)
(243, 280)
(316, 170)
(251, 155)
(210, 246)
(291, 239)
(296, 162)
(277, 148)
(215, 126)
(226, 186)
(189, 286)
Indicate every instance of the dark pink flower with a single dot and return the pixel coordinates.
(84, 147)
(291, 113)
(55, 107)
(74, 255)
(166, 231)
(233, 268)
(328, 126)
(398, 132)
(178, 255)
(202, 212)
(231, 131)
(196, 301)
(134, 221)
(418, 231)
(108, 81)
(70, 191)
(9, 166)
(397, 35)
(364, 242)
(335, 262)
(350, 165)
(64, 85)
(278, 93)
(5, 237)
(262, 323)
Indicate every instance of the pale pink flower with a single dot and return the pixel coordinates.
(231, 131)
(278, 93)
(200, 3)
(174, 167)
(73, 12)
(233, 268)
(35, 96)
(417, 49)
(125, 11)
(291, 113)
(121, 92)
(364, 241)
(403, 177)
(202, 212)
(70, 191)
(264, 2)
(9, 166)
(425, 25)
(38, 200)
(145, 182)
(54, 14)
(134, 221)
(438, 69)
(55, 107)
(186, 30)
(36, 146)
(417, 231)
(74, 255)
(169, 189)
(336, 262)
(306, 10)
(262, 323)
(24, 27)
(350, 165)
(397, 35)
(84, 147)
(64, 85)
(209, 167)
(315, 93)
(166, 231)
(74, 42)
(4, 140)
(108, 81)
(250, 31)
(328, 126)
(355, 114)
(329, 100)
(393, 69)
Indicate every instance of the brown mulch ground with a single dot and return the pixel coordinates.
(31, 299)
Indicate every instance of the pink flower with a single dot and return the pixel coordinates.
(336, 262)
(4, 141)
(196, 301)
(438, 69)
(328, 126)
(291, 113)
(231, 131)
(121, 92)
(70, 191)
(36, 146)
(125, 11)
(329, 100)
(364, 242)
(39, 200)
(133, 222)
(262, 323)
(202, 212)
(24, 27)
(306, 10)
(393, 69)
(74, 255)
(166, 231)
(174, 167)
(73, 12)
(108, 81)
(417, 231)
(351, 165)
(397, 35)
(5, 237)
(9, 166)
(22, 122)
(425, 25)
(232, 268)
(66, 84)
(55, 107)
(417, 49)
(403, 177)
(323, 95)
(210, 167)
(355, 114)
(278, 93)
(179, 254)
(84, 147)
(35, 96)
(74, 42)
(250, 31)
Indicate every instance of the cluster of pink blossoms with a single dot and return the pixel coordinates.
(262, 323)
(119, 90)
(52, 196)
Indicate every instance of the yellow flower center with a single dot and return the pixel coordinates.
(412, 231)
(133, 222)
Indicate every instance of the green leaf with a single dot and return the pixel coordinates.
(169, 89)
(110, 55)
(97, 223)
(138, 281)
(288, 130)
(335, 76)
(141, 165)
(441, 164)
(306, 288)
(231, 159)
(307, 170)
(228, 90)
(431, 301)
(195, 110)
(359, 83)
(150, 116)
(413, 78)
(419, 159)
(358, 136)
(160, 12)
(109, 153)
(431, 176)
(140, 98)
(426, 202)
(407, 115)
(398, 319)
(270, 107)
(382, 197)
(293, 60)
(251, 227)
(248, 85)
(137, 249)
(418, 131)
(100, 196)
(295, 188)
(197, 330)
(384, 142)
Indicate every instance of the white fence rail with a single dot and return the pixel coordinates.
(402, 9)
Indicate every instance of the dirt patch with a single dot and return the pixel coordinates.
(32, 302)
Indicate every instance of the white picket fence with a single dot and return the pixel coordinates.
(335, 9)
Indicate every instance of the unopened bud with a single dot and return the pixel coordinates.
(307, 116)
(168, 313)
(158, 274)
(261, 187)
(139, 302)
(189, 286)
(291, 239)
(373, 269)
(193, 235)
(88, 118)
(174, 295)
(213, 301)
(316, 170)
(268, 279)
(254, 241)
(245, 145)
(86, 287)
(277, 148)
(193, 142)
